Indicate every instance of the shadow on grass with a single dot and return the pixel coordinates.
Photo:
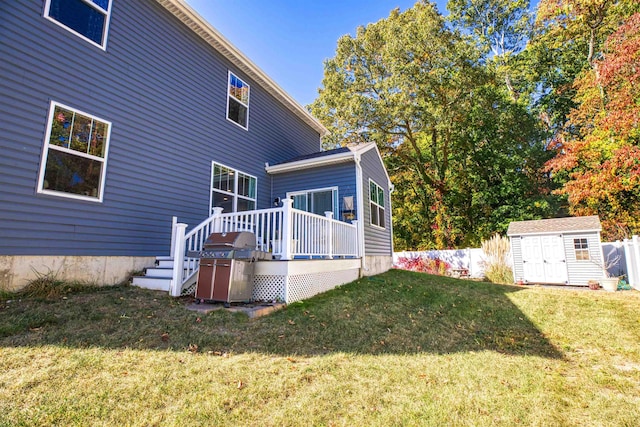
(397, 312)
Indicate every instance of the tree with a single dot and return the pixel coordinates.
(500, 27)
(599, 148)
(454, 144)
(569, 36)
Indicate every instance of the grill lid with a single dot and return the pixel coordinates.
(230, 240)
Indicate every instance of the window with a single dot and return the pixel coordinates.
(238, 101)
(75, 154)
(582, 249)
(317, 201)
(88, 19)
(376, 197)
(231, 190)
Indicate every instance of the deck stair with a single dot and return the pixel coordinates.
(158, 277)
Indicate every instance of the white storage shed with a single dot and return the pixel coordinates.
(557, 251)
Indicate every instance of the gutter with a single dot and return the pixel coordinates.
(310, 163)
(550, 233)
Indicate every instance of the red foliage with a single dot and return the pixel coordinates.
(424, 265)
(600, 150)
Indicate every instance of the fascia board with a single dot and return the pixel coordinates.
(310, 163)
(538, 233)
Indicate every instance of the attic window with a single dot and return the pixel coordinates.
(238, 101)
(582, 249)
(88, 19)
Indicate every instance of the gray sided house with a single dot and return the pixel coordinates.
(557, 251)
(126, 123)
(360, 188)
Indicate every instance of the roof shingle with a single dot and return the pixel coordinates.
(555, 225)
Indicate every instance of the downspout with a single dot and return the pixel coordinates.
(360, 212)
(392, 188)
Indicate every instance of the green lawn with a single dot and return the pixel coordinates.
(401, 348)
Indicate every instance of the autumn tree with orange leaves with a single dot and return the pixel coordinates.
(597, 139)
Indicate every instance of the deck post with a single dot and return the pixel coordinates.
(217, 221)
(329, 237)
(174, 221)
(287, 229)
(178, 260)
(358, 248)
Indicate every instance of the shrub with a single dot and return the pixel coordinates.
(424, 265)
(496, 263)
(49, 285)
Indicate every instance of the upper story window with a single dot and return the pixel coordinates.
(88, 19)
(238, 101)
(232, 190)
(75, 154)
(376, 197)
(581, 247)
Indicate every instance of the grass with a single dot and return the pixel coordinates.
(401, 348)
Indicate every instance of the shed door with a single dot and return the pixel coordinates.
(543, 259)
(532, 262)
(555, 266)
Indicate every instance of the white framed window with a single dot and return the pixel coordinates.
(317, 201)
(238, 101)
(74, 156)
(232, 190)
(581, 247)
(376, 199)
(88, 19)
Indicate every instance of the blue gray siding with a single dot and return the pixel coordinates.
(341, 175)
(377, 241)
(164, 90)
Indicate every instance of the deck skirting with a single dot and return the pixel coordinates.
(291, 281)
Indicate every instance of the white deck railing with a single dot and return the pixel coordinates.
(285, 232)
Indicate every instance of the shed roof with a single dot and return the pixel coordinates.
(555, 225)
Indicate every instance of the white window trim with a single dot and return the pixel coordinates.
(235, 194)
(229, 74)
(334, 194)
(45, 154)
(380, 206)
(105, 37)
(587, 249)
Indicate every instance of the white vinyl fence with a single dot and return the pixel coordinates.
(469, 259)
(623, 258)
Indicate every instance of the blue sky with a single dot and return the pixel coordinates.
(290, 39)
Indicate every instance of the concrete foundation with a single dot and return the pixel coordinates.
(16, 271)
(376, 264)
